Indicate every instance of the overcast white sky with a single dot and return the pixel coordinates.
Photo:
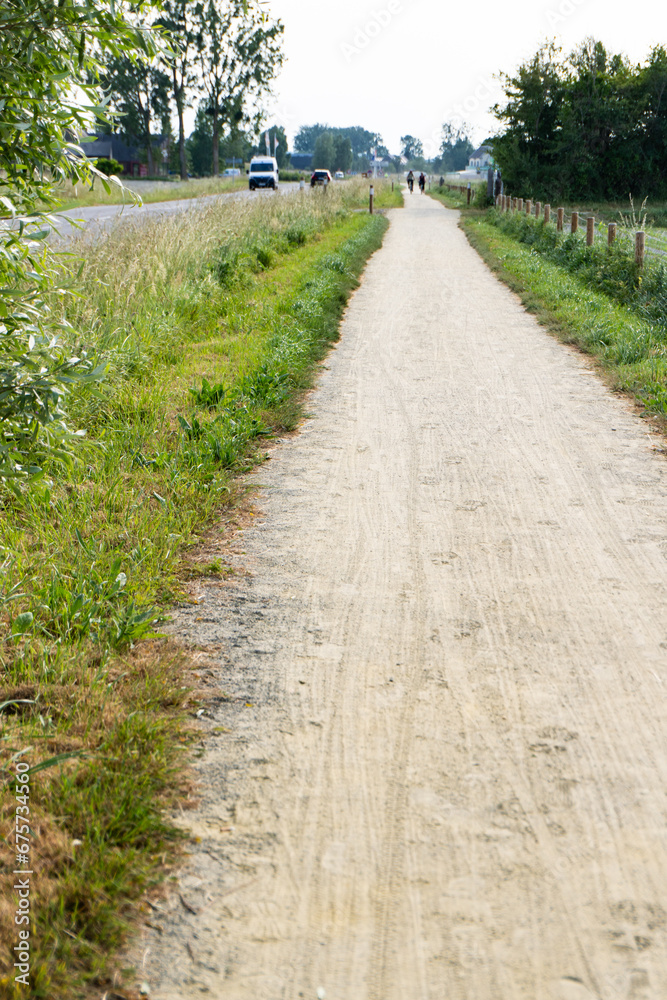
(405, 66)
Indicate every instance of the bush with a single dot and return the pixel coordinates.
(109, 166)
(611, 270)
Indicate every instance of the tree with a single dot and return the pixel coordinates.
(239, 55)
(199, 144)
(50, 64)
(342, 153)
(586, 126)
(650, 87)
(139, 96)
(411, 148)
(236, 146)
(361, 141)
(455, 147)
(277, 135)
(324, 153)
(183, 20)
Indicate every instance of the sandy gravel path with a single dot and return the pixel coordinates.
(444, 773)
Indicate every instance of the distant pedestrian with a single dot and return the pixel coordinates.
(411, 181)
(422, 183)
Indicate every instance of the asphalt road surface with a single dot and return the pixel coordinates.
(98, 217)
(437, 768)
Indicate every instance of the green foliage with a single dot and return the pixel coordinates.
(239, 53)
(283, 156)
(587, 126)
(481, 197)
(360, 139)
(138, 93)
(455, 148)
(108, 166)
(612, 271)
(45, 49)
(342, 153)
(324, 154)
(412, 149)
(209, 396)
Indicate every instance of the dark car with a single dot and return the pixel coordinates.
(320, 177)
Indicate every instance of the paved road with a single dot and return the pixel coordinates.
(438, 768)
(98, 217)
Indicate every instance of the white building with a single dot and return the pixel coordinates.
(482, 158)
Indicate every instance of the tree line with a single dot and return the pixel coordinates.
(455, 149)
(224, 53)
(335, 148)
(589, 125)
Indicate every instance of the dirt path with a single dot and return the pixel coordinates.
(445, 774)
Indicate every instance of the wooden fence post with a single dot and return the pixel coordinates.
(370, 203)
(529, 206)
(611, 233)
(519, 204)
(590, 230)
(547, 213)
(561, 217)
(538, 209)
(574, 222)
(640, 248)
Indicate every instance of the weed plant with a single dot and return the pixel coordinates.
(210, 326)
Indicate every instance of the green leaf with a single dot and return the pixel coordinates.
(22, 623)
(16, 701)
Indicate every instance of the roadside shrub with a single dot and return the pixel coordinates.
(481, 198)
(611, 270)
(109, 166)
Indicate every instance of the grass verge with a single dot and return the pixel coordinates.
(631, 351)
(211, 329)
(79, 196)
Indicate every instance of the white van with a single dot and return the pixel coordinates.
(263, 172)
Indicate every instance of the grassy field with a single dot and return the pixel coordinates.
(619, 327)
(78, 196)
(211, 330)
